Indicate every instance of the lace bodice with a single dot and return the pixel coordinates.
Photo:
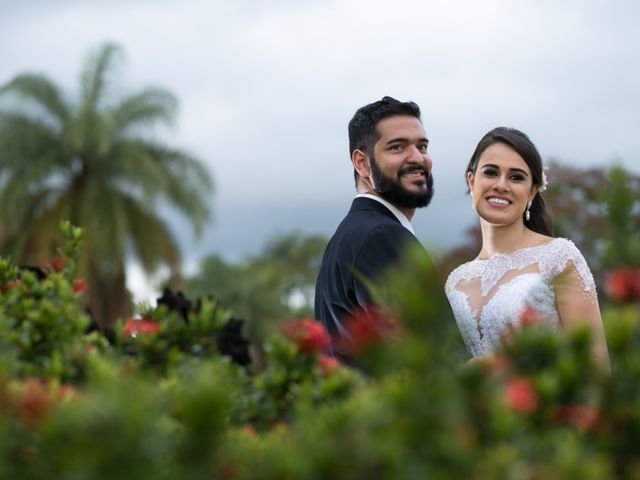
(487, 296)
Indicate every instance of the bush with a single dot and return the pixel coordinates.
(165, 402)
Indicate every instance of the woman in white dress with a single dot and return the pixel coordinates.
(520, 264)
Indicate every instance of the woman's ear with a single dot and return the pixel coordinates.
(470, 180)
(360, 162)
(534, 191)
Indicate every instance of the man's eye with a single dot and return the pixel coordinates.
(396, 147)
(422, 148)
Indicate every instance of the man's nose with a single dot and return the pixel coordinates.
(415, 155)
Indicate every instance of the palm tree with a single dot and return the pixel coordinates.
(94, 161)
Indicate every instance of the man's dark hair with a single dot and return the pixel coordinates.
(362, 127)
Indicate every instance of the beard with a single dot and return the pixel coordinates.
(392, 189)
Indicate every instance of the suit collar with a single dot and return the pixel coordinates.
(365, 201)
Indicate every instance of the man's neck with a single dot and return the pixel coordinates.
(407, 212)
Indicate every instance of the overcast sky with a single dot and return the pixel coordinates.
(266, 90)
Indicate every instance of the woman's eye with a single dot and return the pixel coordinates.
(517, 178)
(490, 172)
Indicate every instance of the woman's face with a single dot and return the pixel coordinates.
(501, 186)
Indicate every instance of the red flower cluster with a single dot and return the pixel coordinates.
(79, 285)
(57, 263)
(327, 364)
(583, 417)
(368, 327)
(623, 284)
(32, 400)
(140, 325)
(308, 334)
(520, 396)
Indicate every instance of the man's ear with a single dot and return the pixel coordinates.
(360, 161)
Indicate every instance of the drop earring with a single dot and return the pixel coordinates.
(527, 213)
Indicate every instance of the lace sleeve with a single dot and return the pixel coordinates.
(566, 259)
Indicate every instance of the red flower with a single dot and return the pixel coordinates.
(57, 263)
(142, 325)
(623, 284)
(79, 285)
(529, 316)
(66, 391)
(327, 364)
(365, 329)
(520, 396)
(583, 417)
(16, 282)
(496, 364)
(33, 402)
(308, 334)
(249, 429)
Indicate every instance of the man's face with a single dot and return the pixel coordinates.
(400, 164)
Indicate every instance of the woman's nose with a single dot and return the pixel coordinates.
(501, 183)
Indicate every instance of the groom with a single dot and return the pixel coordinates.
(392, 171)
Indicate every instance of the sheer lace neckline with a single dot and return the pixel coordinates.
(498, 254)
(550, 258)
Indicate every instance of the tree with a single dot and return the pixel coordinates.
(599, 209)
(261, 289)
(95, 162)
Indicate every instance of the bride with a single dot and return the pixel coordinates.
(520, 265)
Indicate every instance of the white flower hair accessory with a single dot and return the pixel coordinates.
(545, 182)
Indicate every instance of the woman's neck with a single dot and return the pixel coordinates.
(504, 238)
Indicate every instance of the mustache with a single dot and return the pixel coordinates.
(413, 169)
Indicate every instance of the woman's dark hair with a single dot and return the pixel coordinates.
(539, 221)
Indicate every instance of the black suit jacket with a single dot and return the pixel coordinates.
(369, 239)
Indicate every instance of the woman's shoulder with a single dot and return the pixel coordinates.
(563, 247)
(465, 271)
(564, 255)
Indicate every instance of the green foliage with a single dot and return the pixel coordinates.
(171, 407)
(41, 323)
(622, 244)
(599, 209)
(260, 289)
(291, 381)
(172, 339)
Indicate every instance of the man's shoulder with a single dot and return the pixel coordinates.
(365, 224)
(370, 214)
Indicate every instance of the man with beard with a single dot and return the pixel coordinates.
(392, 170)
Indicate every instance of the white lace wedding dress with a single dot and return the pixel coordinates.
(487, 296)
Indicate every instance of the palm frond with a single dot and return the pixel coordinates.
(24, 139)
(148, 106)
(40, 90)
(150, 237)
(94, 75)
(30, 228)
(168, 173)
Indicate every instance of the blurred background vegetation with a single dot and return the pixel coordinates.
(97, 159)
